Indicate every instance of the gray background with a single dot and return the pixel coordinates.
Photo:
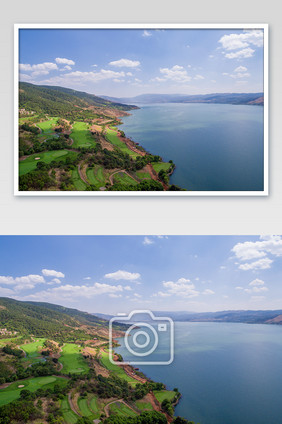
(143, 215)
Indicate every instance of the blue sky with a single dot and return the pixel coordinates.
(111, 274)
(128, 62)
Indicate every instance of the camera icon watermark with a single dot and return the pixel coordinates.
(148, 339)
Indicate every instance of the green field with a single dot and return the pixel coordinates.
(3, 342)
(161, 165)
(12, 392)
(125, 179)
(46, 126)
(96, 176)
(29, 164)
(122, 410)
(112, 137)
(69, 416)
(72, 359)
(116, 369)
(77, 181)
(81, 135)
(144, 406)
(32, 350)
(143, 175)
(93, 404)
(164, 394)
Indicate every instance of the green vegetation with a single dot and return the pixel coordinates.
(72, 359)
(161, 166)
(122, 410)
(143, 175)
(76, 392)
(47, 126)
(30, 163)
(124, 179)
(13, 391)
(144, 406)
(161, 395)
(112, 137)
(69, 416)
(77, 181)
(32, 350)
(117, 371)
(63, 133)
(96, 176)
(81, 135)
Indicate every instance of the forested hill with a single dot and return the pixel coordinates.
(221, 98)
(60, 101)
(45, 319)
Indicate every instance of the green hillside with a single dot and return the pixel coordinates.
(60, 101)
(47, 320)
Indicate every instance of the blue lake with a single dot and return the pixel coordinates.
(227, 373)
(215, 147)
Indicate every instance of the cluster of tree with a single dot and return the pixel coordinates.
(29, 406)
(30, 128)
(13, 351)
(63, 102)
(35, 180)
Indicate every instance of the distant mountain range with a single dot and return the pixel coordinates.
(223, 98)
(248, 317)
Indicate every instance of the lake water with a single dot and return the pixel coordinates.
(227, 373)
(215, 147)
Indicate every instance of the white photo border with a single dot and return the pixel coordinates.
(264, 192)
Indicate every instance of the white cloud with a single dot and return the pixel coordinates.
(256, 282)
(239, 288)
(78, 77)
(176, 73)
(63, 61)
(249, 251)
(211, 56)
(242, 40)
(240, 75)
(87, 278)
(208, 292)
(222, 267)
(52, 273)
(125, 63)
(127, 288)
(115, 295)
(123, 275)
(146, 33)
(256, 290)
(36, 73)
(56, 280)
(26, 279)
(241, 54)
(264, 263)
(181, 287)
(241, 69)
(137, 295)
(147, 241)
(71, 292)
(46, 66)
(161, 294)
(129, 74)
(199, 77)
(4, 291)
(25, 77)
(94, 66)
